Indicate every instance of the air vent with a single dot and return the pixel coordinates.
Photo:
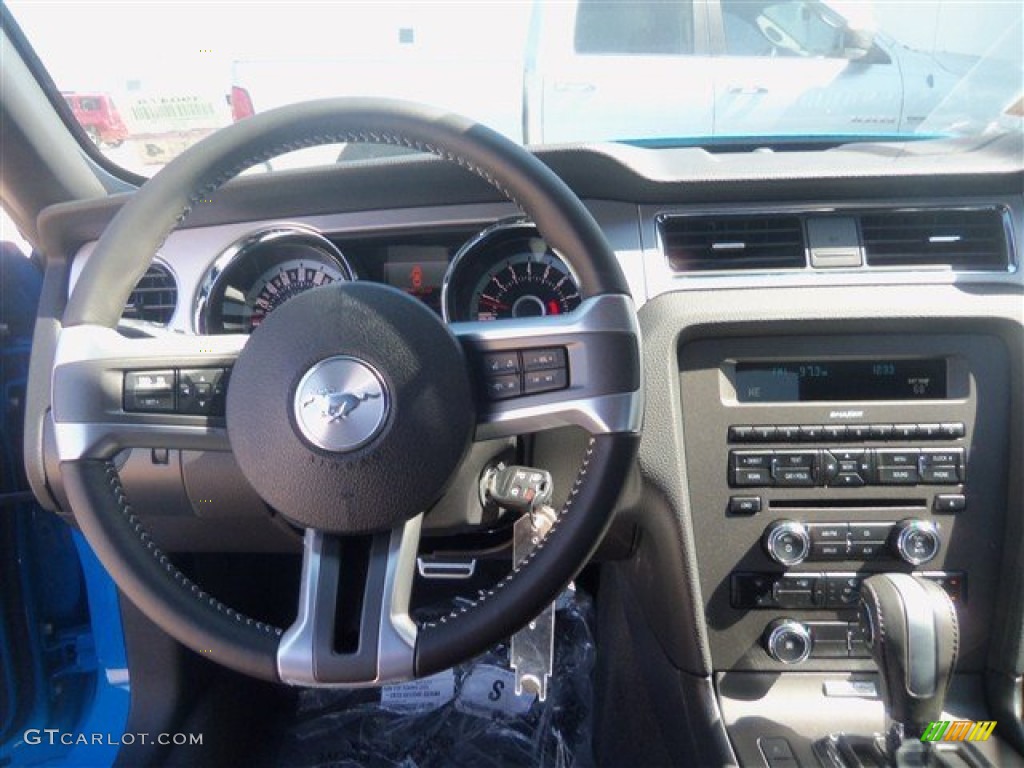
(154, 298)
(957, 238)
(706, 243)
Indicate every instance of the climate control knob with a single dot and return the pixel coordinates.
(787, 542)
(915, 541)
(787, 641)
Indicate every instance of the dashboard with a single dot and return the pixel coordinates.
(832, 347)
(504, 271)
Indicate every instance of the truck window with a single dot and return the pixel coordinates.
(790, 28)
(631, 27)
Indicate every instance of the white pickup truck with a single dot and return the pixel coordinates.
(640, 70)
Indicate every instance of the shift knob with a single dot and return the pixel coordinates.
(911, 628)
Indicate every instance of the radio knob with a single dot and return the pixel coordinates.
(787, 542)
(787, 641)
(916, 541)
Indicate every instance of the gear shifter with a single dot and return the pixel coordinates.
(911, 628)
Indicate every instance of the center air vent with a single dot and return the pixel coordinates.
(154, 298)
(710, 243)
(957, 238)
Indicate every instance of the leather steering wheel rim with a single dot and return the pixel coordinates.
(145, 574)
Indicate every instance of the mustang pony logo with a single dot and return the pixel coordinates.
(336, 405)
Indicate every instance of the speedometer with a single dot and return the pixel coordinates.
(525, 285)
(260, 272)
(508, 271)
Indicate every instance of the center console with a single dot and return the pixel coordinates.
(814, 462)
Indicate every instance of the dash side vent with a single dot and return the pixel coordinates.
(955, 238)
(154, 298)
(713, 243)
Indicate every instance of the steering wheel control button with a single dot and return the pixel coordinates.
(201, 391)
(341, 404)
(540, 359)
(787, 542)
(496, 363)
(517, 372)
(503, 387)
(535, 382)
(149, 391)
(744, 506)
(916, 541)
(950, 502)
(788, 641)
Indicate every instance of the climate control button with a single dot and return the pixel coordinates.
(788, 641)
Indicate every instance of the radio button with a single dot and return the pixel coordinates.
(953, 430)
(866, 550)
(795, 459)
(942, 456)
(811, 433)
(898, 476)
(870, 531)
(847, 480)
(829, 467)
(929, 431)
(750, 459)
(741, 434)
(765, 433)
(828, 531)
(905, 431)
(950, 502)
(881, 431)
(828, 550)
(897, 457)
(744, 505)
(789, 433)
(858, 431)
(794, 477)
(751, 478)
(836, 431)
(855, 460)
(940, 475)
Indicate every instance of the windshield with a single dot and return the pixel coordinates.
(145, 80)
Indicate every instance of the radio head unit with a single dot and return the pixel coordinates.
(840, 380)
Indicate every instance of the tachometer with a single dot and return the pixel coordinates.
(525, 285)
(263, 270)
(508, 271)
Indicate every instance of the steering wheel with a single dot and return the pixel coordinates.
(407, 385)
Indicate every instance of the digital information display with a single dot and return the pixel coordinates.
(841, 380)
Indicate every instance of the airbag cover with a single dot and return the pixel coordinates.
(409, 413)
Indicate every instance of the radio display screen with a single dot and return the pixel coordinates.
(840, 380)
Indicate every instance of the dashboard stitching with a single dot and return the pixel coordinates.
(485, 594)
(122, 502)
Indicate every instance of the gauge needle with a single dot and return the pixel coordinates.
(494, 302)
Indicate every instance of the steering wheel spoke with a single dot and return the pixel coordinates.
(385, 635)
(112, 392)
(579, 369)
